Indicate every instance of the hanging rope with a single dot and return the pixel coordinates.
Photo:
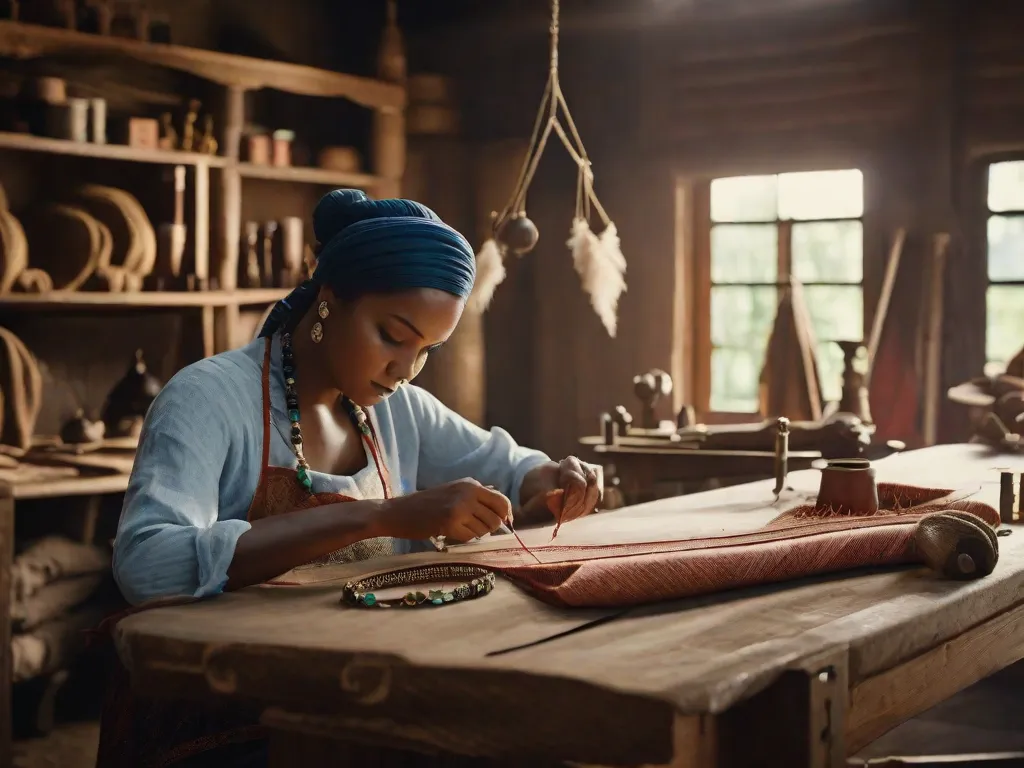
(598, 260)
(552, 106)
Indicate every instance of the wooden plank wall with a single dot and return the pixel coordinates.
(915, 94)
(857, 69)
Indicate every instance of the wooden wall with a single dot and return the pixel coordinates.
(913, 93)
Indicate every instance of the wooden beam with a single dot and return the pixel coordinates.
(960, 212)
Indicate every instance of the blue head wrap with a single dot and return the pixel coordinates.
(378, 246)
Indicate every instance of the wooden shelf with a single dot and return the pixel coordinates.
(32, 41)
(71, 486)
(308, 176)
(69, 300)
(29, 143)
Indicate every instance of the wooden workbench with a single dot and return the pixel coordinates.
(797, 675)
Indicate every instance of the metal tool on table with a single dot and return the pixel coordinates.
(781, 454)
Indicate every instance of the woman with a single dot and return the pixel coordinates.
(310, 444)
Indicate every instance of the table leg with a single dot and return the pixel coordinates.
(6, 561)
(799, 721)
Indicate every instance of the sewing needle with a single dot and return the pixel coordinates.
(439, 543)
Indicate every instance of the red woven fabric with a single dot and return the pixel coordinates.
(800, 542)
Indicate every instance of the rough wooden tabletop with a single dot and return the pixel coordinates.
(695, 656)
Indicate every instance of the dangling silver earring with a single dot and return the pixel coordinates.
(323, 311)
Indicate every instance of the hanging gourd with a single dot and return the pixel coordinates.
(598, 259)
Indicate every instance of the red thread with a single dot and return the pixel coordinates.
(521, 544)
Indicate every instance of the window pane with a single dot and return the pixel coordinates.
(828, 252)
(821, 195)
(734, 379)
(1005, 332)
(1005, 248)
(1006, 186)
(744, 253)
(837, 312)
(830, 370)
(742, 316)
(744, 198)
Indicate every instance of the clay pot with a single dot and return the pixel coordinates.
(130, 398)
(848, 488)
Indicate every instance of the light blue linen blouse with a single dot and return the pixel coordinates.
(198, 465)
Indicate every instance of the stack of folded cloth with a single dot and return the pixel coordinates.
(58, 591)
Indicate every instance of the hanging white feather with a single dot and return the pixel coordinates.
(490, 272)
(600, 264)
(610, 283)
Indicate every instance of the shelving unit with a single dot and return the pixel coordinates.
(218, 216)
(215, 196)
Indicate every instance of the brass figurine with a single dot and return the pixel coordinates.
(188, 134)
(207, 145)
(169, 137)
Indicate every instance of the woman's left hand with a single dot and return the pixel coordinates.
(566, 491)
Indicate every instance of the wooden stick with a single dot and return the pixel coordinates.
(882, 310)
(1020, 498)
(1006, 497)
(933, 340)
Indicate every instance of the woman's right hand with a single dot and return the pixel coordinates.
(460, 511)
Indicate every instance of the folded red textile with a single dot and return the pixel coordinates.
(800, 542)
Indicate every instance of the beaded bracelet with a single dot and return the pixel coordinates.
(480, 582)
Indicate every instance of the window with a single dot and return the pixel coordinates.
(1004, 331)
(764, 229)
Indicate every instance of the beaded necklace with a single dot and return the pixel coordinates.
(354, 412)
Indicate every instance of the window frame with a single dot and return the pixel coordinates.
(986, 215)
(700, 259)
